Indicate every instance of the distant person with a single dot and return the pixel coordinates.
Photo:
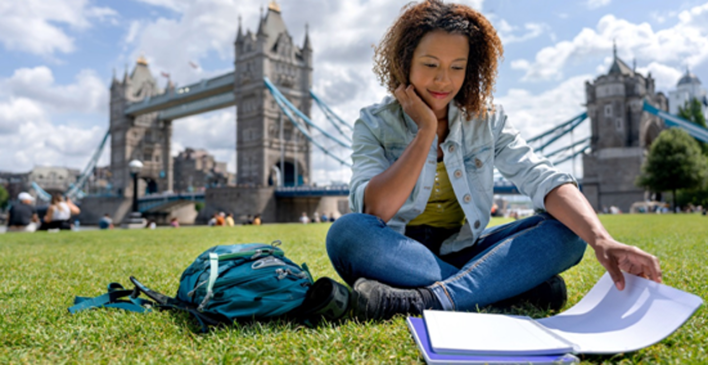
(105, 222)
(230, 220)
(221, 219)
(316, 218)
(304, 219)
(151, 224)
(174, 223)
(324, 218)
(23, 216)
(249, 220)
(257, 220)
(59, 213)
(212, 221)
(331, 217)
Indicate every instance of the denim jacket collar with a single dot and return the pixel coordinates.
(454, 120)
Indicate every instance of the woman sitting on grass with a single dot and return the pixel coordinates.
(422, 185)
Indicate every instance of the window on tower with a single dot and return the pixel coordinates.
(619, 124)
(608, 110)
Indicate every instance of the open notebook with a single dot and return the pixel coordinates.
(420, 335)
(605, 321)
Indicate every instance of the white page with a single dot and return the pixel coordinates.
(608, 321)
(489, 334)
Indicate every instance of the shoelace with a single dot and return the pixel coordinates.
(402, 302)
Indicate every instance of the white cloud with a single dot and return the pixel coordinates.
(32, 103)
(533, 114)
(17, 111)
(513, 34)
(89, 94)
(594, 4)
(37, 26)
(685, 43)
(37, 142)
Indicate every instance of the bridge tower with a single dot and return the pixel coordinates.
(271, 52)
(144, 137)
(621, 135)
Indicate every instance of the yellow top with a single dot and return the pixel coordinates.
(442, 209)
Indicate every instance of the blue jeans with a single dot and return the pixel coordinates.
(505, 261)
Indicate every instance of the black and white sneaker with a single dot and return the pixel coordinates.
(376, 301)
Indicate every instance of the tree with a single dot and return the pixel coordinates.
(692, 111)
(674, 162)
(4, 197)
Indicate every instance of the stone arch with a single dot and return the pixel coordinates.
(288, 173)
(649, 130)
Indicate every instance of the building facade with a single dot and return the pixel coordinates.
(196, 170)
(621, 133)
(688, 88)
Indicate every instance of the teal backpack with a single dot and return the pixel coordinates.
(252, 281)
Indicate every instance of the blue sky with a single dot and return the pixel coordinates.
(57, 60)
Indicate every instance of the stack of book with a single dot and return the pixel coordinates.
(605, 321)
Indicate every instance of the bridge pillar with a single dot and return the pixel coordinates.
(144, 138)
(621, 135)
(271, 52)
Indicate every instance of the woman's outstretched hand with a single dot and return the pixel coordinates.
(617, 257)
(416, 108)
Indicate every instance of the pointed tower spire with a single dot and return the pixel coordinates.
(614, 48)
(239, 34)
(307, 44)
(261, 24)
(125, 74)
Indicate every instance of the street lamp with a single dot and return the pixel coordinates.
(135, 166)
(135, 219)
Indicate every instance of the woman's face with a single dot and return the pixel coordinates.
(438, 68)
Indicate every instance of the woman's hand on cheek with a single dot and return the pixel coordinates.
(416, 108)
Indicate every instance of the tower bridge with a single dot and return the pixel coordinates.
(271, 90)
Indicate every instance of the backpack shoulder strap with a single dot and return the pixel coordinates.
(112, 299)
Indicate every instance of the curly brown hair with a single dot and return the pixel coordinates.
(393, 56)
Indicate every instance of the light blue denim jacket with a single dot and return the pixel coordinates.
(471, 151)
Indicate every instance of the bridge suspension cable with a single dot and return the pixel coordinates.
(274, 90)
(287, 108)
(41, 193)
(671, 120)
(75, 190)
(331, 116)
(560, 131)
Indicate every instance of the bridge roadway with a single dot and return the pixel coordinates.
(150, 202)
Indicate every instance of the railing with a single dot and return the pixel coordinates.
(311, 191)
(152, 201)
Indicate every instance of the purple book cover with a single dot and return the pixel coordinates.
(420, 334)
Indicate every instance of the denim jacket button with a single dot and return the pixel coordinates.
(476, 224)
(458, 174)
(451, 149)
(467, 198)
(478, 163)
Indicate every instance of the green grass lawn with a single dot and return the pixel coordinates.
(42, 272)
